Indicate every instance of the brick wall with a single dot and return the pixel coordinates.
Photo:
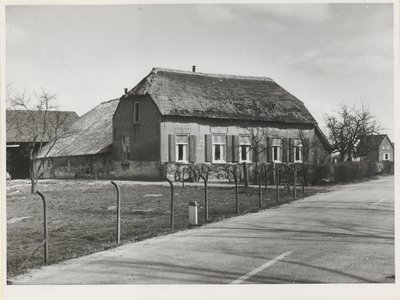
(144, 137)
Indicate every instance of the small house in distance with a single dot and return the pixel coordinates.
(376, 148)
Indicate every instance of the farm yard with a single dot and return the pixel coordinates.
(82, 214)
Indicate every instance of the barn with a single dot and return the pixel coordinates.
(87, 153)
(24, 131)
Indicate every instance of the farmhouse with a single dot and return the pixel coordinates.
(185, 117)
(376, 148)
(24, 131)
(175, 118)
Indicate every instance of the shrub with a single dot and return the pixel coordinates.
(321, 173)
(352, 171)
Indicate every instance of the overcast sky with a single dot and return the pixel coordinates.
(324, 54)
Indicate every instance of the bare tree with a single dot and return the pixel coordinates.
(258, 141)
(349, 126)
(311, 146)
(40, 123)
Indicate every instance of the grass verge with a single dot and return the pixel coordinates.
(82, 215)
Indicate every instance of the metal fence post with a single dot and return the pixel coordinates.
(259, 190)
(205, 197)
(277, 184)
(46, 244)
(172, 203)
(237, 191)
(118, 212)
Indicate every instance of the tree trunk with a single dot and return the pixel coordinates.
(33, 186)
(342, 155)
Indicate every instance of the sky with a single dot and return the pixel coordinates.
(324, 54)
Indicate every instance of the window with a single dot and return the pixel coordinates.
(136, 113)
(298, 153)
(386, 156)
(125, 147)
(182, 148)
(68, 162)
(244, 148)
(218, 147)
(276, 149)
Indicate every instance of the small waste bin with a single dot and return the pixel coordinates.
(192, 213)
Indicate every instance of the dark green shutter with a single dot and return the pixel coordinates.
(172, 154)
(192, 148)
(235, 148)
(291, 150)
(255, 157)
(284, 149)
(269, 149)
(306, 150)
(208, 144)
(229, 148)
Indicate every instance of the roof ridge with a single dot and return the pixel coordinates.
(108, 101)
(155, 70)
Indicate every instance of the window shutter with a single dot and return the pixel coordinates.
(235, 145)
(291, 150)
(284, 149)
(306, 151)
(254, 153)
(208, 147)
(172, 154)
(192, 148)
(229, 148)
(262, 156)
(269, 149)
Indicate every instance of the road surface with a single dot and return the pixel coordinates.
(344, 236)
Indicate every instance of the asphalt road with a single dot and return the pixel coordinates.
(345, 236)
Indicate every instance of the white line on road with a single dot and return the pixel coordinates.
(378, 202)
(260, 268)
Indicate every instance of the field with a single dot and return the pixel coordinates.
(82, 214)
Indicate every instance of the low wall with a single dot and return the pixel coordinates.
(137, 170)
(99, 167)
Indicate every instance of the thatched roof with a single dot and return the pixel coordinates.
(92, 134)
(194, 94)
(24, 126)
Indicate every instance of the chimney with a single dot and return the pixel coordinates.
(126, 91)
(194, 68)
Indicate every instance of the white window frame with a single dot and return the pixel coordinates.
(388, 156)
(278, 146)
(185, 149)
(247, 144)
(297, 146)
(136, 112)
(222, 146)
(125, 145)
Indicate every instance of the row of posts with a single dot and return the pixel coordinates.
(205, 179)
